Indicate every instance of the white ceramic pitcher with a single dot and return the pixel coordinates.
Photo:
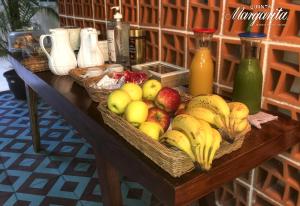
(61, 58)
(89, 54)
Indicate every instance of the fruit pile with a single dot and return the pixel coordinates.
(194, 124)
(230, 118)
(195, 129)
(148, 108)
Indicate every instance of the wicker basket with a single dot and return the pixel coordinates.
(96, 94)
(173, 161)
(78, 74)
(36, 63)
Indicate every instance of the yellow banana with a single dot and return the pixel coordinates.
(215, 103)
(179, 140)
(202, 113)
(219, 122)
(215, 146)
(245, 131)
(198, 132)
(238, 110)
(198, 151)
(190, 126)
(240, 125)
(209, 116)
(212, 102)
(206, 138)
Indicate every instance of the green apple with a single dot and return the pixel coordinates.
(134, 91)
(117, 101)
(136, 112)
(151, 89)
(152, 129)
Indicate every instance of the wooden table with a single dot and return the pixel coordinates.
(114, 155)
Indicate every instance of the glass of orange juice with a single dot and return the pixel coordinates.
(202, 67)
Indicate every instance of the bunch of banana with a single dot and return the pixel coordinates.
(195, 137)
(238, 118)
(216, 104)
(231, 118)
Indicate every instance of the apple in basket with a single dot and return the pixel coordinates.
(152, 129)
(136, 113)
(117, 101)
(151, 89)
(168, 99)
(160, 116)
(134, 91)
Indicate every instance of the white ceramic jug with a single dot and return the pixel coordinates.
(61, 58)
(89, 54)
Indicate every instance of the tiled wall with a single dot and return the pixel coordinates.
(168, 24)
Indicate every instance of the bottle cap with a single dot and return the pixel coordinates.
(204, 30)
(118, 16)
(252, 35)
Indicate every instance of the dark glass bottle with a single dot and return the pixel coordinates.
(248, 79)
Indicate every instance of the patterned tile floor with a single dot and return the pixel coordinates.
(63, 173)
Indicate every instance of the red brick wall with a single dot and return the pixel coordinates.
(168, 24)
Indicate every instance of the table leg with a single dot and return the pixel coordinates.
(109, 181)
(33, 115)
(208, 200)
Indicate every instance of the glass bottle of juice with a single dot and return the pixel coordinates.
(202, 67)
(248, 78)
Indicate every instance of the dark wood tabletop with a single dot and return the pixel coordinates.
(114, 155)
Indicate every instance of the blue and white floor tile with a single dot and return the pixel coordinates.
(64, 173)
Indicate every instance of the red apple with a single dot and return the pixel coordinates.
(150, 104)
(159, 116)
(168, 99)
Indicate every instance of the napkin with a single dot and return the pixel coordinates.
(259, 118)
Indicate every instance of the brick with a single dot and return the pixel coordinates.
(260, 200)
(149, 13)
(205, 14)
(87, 8)
(99, 9)
(232, 194)
(79, 23)
(279, 180)
(230, 59)
(173, 48)
(284, 109)
(282, 72)
(78, 8)
(88, 23)
(192, 48)
(70, 21)
(100, 26)
(173, 14)
(69, 7)
(288, 30)
(233, 27)
(62, 21)
(61, 7)
(294, 152)
(246, 177)
(129, 11)
(152, 45)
